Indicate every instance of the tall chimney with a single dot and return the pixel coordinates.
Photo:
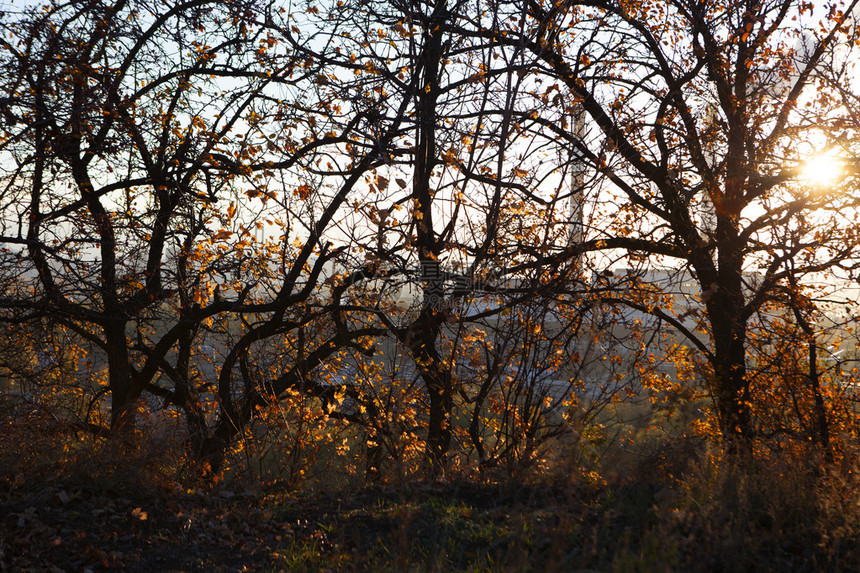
(577, 182)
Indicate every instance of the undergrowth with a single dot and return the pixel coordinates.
(73, 501)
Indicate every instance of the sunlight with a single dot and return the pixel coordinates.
(822, 170)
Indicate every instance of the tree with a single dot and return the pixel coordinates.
(108, 153)
(701, 118)
(230, 181)
(132, 208)
(442, 167)
(446, 212)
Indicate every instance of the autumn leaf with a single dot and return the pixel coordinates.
(302, 191)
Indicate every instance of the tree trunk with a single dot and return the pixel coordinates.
(124, 392)
(426, 328)
(725, 310)
(187, 395)
(439, 423)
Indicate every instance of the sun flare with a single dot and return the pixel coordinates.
(822, 170)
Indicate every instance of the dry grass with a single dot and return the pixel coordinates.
(73, 501)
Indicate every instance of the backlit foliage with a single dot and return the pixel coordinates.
(384, 239)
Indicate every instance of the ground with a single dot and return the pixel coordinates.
(433, 526)
(415, 527)
(89, 506)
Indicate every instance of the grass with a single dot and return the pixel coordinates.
(724, 521)
(74, 503)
